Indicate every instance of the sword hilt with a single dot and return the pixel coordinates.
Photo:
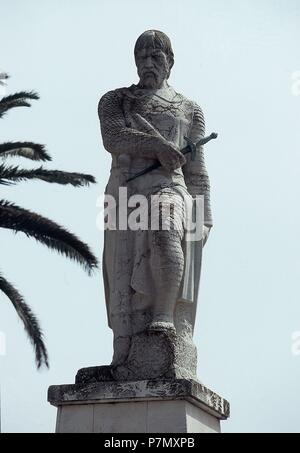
(190, 148)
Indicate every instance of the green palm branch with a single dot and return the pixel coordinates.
(10, 175)
(33, 225)
(20, 99)
(46, 232)
(29, 150)
(29, 320)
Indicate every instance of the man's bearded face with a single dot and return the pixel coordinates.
(152, 67)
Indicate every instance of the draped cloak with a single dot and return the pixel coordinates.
(127, 253)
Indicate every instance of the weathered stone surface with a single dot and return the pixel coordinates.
(153, 355)
(94, 374)
(151, 273)
(154, 390)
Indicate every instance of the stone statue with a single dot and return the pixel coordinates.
(151, 264)
(151, 276)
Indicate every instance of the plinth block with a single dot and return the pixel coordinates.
(177, 406)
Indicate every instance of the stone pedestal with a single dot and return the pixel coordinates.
(145, 406)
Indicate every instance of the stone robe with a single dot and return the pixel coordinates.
(127, 254)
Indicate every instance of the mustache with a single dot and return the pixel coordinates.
(151, 72)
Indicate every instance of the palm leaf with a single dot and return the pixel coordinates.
(33, 151)
(11, 175)
(33, 225)
(47, 232)
(29, 320)
(17, 100)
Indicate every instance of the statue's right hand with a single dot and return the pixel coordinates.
(170, 157)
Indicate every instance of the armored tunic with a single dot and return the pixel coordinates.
(127, 254)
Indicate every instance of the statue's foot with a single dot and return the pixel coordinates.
(94, 374)
(158, 326)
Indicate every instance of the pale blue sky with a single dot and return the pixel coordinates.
(235, 58)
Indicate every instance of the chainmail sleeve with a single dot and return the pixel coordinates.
(195, 173)
(118, 138)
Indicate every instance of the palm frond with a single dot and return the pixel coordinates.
(17, 100)
(48, 233)
(31, 323)
(11, 175)
(30, 150)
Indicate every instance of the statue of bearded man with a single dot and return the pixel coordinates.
(151, 277)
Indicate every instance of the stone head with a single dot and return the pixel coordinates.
(154, 58)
